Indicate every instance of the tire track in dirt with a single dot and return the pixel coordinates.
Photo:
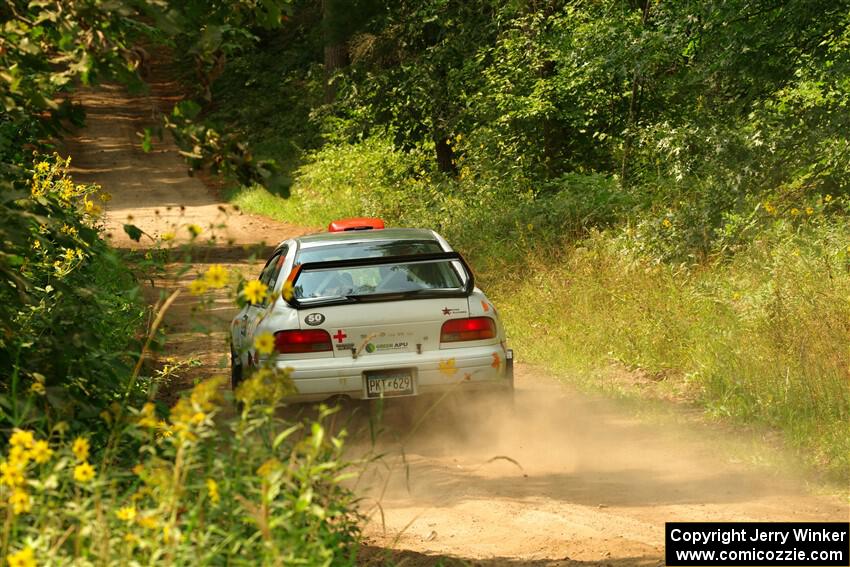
(591, 484)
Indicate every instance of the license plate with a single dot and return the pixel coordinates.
(386, 383)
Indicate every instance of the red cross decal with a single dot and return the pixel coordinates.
(447, 311)
(340, 336)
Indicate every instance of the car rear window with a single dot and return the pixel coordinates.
(415, 278)
(371, 249)
(363, 281)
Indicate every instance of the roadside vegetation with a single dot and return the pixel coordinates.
(656, 191)
(94, 467)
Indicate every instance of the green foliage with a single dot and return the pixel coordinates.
(222, 153)
(57, 273)
(45, 47)
(689, 106)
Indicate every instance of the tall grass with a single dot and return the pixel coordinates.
(763, 337)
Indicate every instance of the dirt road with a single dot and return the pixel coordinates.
(593, 483)
(566, 479)
(154, 191)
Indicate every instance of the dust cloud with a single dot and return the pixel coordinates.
(559, 478)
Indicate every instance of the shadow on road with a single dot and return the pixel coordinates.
(374, 556)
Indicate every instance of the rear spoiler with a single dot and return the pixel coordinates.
(381, 261)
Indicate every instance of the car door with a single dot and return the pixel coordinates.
(255, 312)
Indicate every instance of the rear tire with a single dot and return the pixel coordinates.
(236, 374)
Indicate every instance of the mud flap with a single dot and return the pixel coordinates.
(509, 366)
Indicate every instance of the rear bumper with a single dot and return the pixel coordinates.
(475, 368)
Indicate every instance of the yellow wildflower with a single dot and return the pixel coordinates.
(206, 394)
(38, 189)
(198, 417)
(20, 502)
(22, 438)
(194, 230)
(149, 422)
(147, 416)
(288, 291)
(148, 522)
(91, 208)
(41, 452)
(666, 223)
(809, 210)
(138, 469)
(22, 558)
(269, 467)
(164, 430)
(81, 448)
(19, 455)
(255, 291)
(37, 388)
(168, 236)
(11, 474)
(264, 343)
(198, 287)
(212, 491)
(66, 189)
(42, 167)
(216, 276)
(448, 367)
(795, 211)
(131, 538)
(83, 472)
(769, 208)
(127, 513)
(827, 199)
(105, 197)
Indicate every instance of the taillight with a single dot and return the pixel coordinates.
(297, 341)
(474, 329)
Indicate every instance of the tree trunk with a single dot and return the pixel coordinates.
(336, 57)
(445, 156)
(634, 110)
(336, 48)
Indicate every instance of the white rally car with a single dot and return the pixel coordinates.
(375, 312)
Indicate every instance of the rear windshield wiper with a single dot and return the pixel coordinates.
(390, 295)
(307, 301)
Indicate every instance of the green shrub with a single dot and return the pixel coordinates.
(69, 314)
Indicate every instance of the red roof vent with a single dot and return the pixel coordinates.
(358, 223)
